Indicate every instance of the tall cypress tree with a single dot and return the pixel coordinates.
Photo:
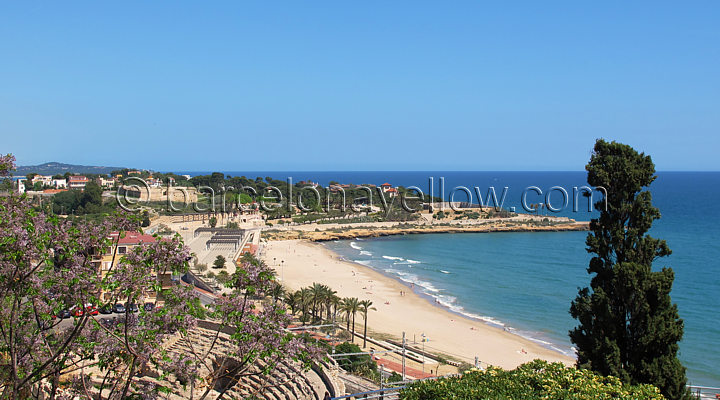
(628, 325)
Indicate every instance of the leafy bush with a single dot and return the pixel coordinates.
(357, 363)
(534, 380)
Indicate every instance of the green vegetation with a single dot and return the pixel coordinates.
(79, 202)
(219, 262)
(360, 364)
(629, 326)
(536, 380)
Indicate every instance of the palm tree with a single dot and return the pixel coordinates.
(351, 306)
(293, 300)
(305, 297)
(317, 293)
(345, 308)
(364, 308)
(277, 291)
(329, 295)
(336, 302)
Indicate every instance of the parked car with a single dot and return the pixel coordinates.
(119, 308)
(106, 309)
(77, 312)
(91, 310)
(149, 306)
(63, 314)
(132, 307)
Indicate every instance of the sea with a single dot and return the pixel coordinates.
(524, 282)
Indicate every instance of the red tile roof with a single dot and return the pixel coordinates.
(386, 184)
(133, 238)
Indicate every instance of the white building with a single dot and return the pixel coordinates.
(59, 183)
(105, 182)
(46, 180)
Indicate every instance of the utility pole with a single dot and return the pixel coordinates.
(403, 356)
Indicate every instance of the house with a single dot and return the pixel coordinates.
(153, 183)
(77, 182)
(387, 188)
(46, 180)
(107, 260)
(21, 186)
(308, 183)
(59, 183)
(105, 182)
(136, 172)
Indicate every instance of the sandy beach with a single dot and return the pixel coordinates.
(448, 333)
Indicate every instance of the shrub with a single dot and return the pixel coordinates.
(361, 363)
(531, 381)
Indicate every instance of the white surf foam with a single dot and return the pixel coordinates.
(393, 258)
(355, 246)
(444, 272)
(365, 253)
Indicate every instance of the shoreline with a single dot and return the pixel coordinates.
(324, 233)
(449, 332)
(489, 321)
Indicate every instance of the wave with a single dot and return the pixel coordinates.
(424, 286)
(412, 261)
(450, 302)
(365, 253)
(355, 246)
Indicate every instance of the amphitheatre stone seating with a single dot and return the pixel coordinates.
(286, 382)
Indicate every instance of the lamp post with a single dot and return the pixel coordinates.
(282, 270)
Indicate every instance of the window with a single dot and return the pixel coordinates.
(122, 249)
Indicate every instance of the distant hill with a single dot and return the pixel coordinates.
(52, 168)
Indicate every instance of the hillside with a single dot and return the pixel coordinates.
(52, 168)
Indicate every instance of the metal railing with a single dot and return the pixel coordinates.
(385, 393)
(705, 392)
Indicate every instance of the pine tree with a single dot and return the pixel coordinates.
(628, 325)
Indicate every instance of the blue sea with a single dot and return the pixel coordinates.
(525, 281)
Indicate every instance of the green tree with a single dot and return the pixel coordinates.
(365, 306)
(355, 362)
(66, 202)
(145, 219)
(223, 277)
(351, 307)
(212, 221)
(219, 262)
(92, 194)
(628, 325)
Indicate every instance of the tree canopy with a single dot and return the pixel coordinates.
(628, 325)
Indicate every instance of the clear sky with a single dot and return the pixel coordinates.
(371, 85)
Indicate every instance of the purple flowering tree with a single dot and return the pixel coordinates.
(49, 266)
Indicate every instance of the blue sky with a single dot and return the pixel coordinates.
(372, 85)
